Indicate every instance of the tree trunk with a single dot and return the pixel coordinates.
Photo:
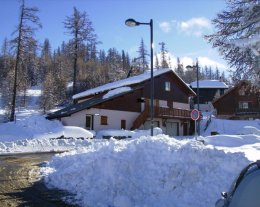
(13, 104)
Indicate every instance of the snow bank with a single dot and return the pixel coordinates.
(42, 145)
(233, 127)
(35, 127)
(127, 133)
(232, 140)
(76, 132)
(29, 128)
(150, 171)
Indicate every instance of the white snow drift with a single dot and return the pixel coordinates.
(150, 171)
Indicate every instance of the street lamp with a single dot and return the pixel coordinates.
(198, 92)
(133, 23)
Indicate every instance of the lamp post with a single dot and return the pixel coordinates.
(198, 95)
(133, 23)
(198, 92)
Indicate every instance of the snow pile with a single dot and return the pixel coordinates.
(42, 145)
(116, 92)
(150, 171)
(77, 132)
(29, 128)
(35, 127)
(232, 140)
(126, 133)
(233, 127)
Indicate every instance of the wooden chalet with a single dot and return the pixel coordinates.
(124, 104)
(209, 90)
(240, 102)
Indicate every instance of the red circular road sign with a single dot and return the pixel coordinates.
(195, 114)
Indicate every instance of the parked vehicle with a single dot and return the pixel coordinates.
(245, 190)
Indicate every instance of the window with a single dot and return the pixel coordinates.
(243, 105)
(123, 124)
(103, 120)
(241, 92)
(167, 86)
(89, 123)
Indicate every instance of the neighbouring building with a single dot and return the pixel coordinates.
(208, 91)
(125, 104)
(240, 102)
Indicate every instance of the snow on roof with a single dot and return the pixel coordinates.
(209, 84)
(116, 91)
(125, 82)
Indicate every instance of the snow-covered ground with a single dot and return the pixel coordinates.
(231, 127)
(141, 171)
(149, 171)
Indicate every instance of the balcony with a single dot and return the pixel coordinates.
(250, 111)
(160, 112)
(172, 113)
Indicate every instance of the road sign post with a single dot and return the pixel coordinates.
(195, 115)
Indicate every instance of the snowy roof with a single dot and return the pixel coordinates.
(209, 84)
(116, 91)
(125, 82)
(67, 111)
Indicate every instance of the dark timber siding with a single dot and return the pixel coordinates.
(178, 91)
(229, 103)
(128, 102)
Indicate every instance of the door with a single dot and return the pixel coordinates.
(172, 128)
(123, 124)
(185, 129)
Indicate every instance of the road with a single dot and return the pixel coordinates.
(20, 183)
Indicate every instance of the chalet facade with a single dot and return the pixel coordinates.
(209, 90)
(240, 102)
(125, 104)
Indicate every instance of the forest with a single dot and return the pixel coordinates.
(74, 66)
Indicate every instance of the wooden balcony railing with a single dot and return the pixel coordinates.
(160, 112)
(255, 111)
(172, 112)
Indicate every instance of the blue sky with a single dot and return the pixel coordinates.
(181, 24)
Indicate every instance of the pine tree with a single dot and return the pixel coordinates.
(237, 38)
(6, 76)
(217, 74)
(24, 38)
(157, 66)
(142, 54)
(163, 53)
(81, 29)
(179, 70)
(45, 62)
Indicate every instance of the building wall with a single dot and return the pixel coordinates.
(178, 92)
(176, 105)
(228, 105)
(208, 94)
(163, 122)
(114, 118)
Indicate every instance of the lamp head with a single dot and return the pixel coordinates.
(131, 23)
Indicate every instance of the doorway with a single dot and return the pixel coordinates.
(172, 128)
